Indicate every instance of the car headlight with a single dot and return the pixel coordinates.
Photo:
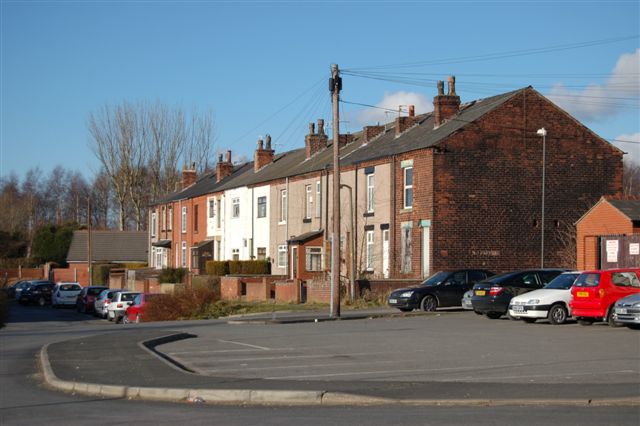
(406, 294)
(533, 302)
(636, 305)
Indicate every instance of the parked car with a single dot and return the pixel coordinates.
(135, 311)
(627, 311)
(65, 294)
(550, 302)
(14, 290)
(594, 293)
(119, 304)
(38, 292)
(102, 301)
(86, 298)
(492, 296)
(444, 288)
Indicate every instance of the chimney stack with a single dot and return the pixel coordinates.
(403, 123)
(446, 106)
(189, 176)
(344, 139)
(371, 132)
(315, 142)
(224, 168)
(263, 155)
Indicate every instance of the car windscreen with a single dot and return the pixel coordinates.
(127, 297)
(590, 279)
(436, 278)
(562, 282)
(69, 287)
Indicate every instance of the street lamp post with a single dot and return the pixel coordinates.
(542, 132)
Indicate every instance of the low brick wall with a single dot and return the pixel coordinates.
(318, 291)
(12, 275)
(252, 288)
(70, 275)
(288, 291)
(382, 287)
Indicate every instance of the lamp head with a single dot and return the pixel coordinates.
(542, 132)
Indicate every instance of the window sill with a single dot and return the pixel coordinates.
(368, 214)
(284, 222)
(406, 210)
(306, 220)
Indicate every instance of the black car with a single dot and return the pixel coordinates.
(442, 289)
(492, 296)
(38, 292)
(17, 286)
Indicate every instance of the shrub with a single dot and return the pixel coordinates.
(100, 273)
(172, 275)
(257, 267)
(217, 268)
(184, 303)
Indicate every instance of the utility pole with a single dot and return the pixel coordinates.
(89, 245)
(335, 85)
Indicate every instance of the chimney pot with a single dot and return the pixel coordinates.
(452, 85)
(268, 141)
(228, 156)
(312, 128)
(440, 88)
(412, 111)
(320, 126)
(260, 146)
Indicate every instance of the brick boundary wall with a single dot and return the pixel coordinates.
(288, 291)
(256, 288)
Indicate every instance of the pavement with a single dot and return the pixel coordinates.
(136, 369)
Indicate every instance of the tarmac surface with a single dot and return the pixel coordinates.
(164, 364)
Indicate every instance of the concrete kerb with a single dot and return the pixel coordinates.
(292, 397)
(343, 318)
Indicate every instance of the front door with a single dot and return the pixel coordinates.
(385, 253)
(294, 262)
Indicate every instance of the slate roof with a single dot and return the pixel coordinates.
(294, 163)
(630, 208)
(110, 246)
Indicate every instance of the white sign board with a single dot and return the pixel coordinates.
(612, 251)
(634, 248)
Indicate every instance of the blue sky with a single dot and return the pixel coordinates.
(245, 61)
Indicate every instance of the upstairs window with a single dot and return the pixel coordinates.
(283, 205)
(195, 218)
(212, 209)
(183, 220)
(235, 207)
(153, 224)
(318, 199)
(408, 187)
(370, 192)
(170, 219)
(262, 206)
(309, 202)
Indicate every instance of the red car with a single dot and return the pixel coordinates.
(88, 295)
(595, 292)
(135, 311)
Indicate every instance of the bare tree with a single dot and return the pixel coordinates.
(101, 195)
(200, 146)
(631, 179)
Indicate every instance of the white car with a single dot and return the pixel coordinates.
(550, 302)
(102, 301)
(119, 304)
(65, 294)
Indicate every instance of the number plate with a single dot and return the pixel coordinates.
(393, 301)
(480, 292)
(621, 311)
(583, 294)
(518, 308)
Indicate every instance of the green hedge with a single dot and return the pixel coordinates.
(238, 267)
(172, 275)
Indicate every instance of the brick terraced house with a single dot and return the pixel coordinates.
(458, 187)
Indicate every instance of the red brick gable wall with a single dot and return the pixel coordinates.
(486, 190)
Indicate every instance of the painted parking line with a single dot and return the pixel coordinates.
(245, 344)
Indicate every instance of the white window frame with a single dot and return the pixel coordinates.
(318, 198)
(183, 260)
(183, 221)
(308, 205)
(235, 252)
(211, 203)
(164, 218)
(283, 206)
(170, 219)
(235, 207)
(407, 188)
(154, 223)
(370, 192)
(282, 255)
(218, 213)
(370, 248)
(153, 257)
(159, 253)
(311, 253)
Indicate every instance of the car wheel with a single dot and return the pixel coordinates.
(557, 314)
(138, 319)
(493, 315)
(41, 301)
(585, 321)
(429, 304)
(610, 319)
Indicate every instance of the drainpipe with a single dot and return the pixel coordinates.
(252, 225)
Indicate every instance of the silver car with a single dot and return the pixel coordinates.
(102, 301)
(627, 311)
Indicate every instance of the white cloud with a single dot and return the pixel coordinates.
(632, 149)
(392, 100)
(598, 101)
